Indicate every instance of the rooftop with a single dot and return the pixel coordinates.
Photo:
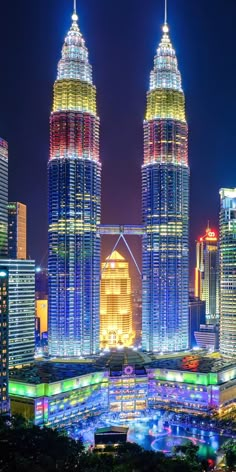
(49, 372)
(194, 363)
(125, 356)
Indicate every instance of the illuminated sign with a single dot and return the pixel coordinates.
(3, 273)
(209, 236)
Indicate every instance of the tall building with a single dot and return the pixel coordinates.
(197, 317)
(207, 274)
(3, 197)
(227, 250)
(4, 400)
(165, 207)
(74, 174)
(116, 307)
(21, 310)
(17, 230)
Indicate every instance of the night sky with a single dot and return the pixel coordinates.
(122, 38)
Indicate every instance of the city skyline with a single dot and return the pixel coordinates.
(181, 30)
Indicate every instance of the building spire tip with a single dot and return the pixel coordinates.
(165, 27)
(75, 16)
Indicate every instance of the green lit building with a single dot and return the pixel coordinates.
(58, 394)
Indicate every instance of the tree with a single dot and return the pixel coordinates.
(229, 449)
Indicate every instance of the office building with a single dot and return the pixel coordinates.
(197, 317)
(4, 400)
(165, 207)
(3, 197)
(116, 306)
(21, 310)
(41, 307)
(17, 230)
(227, 250)
(207, 274)
(74, 176)
(207, 337)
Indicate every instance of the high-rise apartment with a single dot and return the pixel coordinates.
(207, 274)
(227, 251)
(165, 207)
(116, 307)
(17, 230)
(21, 310)
(3, 197)
(4, 400)
(74, 175)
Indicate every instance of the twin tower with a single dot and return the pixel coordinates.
(74, 175)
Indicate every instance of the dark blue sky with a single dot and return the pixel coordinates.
(122, 38)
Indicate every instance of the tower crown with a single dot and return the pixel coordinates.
(165, 74)
(74, 63)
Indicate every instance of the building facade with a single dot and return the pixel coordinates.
(3, 197)
(206, 285)
(21, 310)
(197, 317)
(17, 230)
(62, 394)
(227, 250)
(165, 203)
(74, 176)
(116, 327)
(4, 400)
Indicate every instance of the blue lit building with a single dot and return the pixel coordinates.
(165, 204)
(74, 174)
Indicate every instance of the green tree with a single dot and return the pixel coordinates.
(229, 449)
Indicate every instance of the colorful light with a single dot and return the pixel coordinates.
(74, 205)
(165, 190)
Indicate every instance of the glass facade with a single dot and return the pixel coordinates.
(4, 401)
(17, 230)
(165, 204)
(227, 271)
(74, 175)
(21, 310)
(3, 197)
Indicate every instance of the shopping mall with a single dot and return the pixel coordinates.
(127, 383)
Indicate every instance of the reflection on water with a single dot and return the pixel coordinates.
(149, 436)
(154, 434)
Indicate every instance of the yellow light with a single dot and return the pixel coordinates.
(115, 303)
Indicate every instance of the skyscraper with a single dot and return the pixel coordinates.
(3, 197)
(17, 230)
(116, 306)
(165, 203)
(4, 400)
(207, 274)
(21, 310)
(74, 174)
(227, 250)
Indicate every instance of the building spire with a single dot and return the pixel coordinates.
(165, 27)
(165, 22)
(75, 16)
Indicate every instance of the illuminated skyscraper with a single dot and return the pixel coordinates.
(74, 173)
(116, 307)
(21, 310)
(4, 400)
(165, 202)
(3, 197)
(207, 274)
(17, 230)
(227, 250)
